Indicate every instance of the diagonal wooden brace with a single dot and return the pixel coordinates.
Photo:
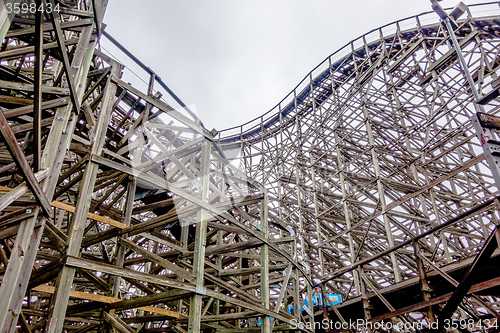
(22, 164)
(70, 72)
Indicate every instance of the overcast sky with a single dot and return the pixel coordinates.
(236, 59)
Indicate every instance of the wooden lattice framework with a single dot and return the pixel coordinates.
(121, 212)
(373, 161)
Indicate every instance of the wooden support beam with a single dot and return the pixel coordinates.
(154, 298)
(117, 323)
(23, 165)
(53, 103)
(108, 300)
(200, 242)
(436, 300)
(37, 99)
(264, 266)
(31, 88)
(14, 193)
(160, 183)
(158, 260)
(95, 217)
(455, 283)
(71, 72)
(475, 210)
(158, 279)
(469, 278)
(63, 288)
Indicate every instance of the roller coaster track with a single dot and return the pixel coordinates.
(120, 212)
(373, 161)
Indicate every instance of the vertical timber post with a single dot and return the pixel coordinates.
(37, 102)
(264, 265)
(344, 188)
(30, 231)
(200, 243)
(381, 192)
(64, 281)
(424, 284)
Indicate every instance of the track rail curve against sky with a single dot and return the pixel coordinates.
(269, 123)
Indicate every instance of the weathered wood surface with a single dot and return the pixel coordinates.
(119, 210)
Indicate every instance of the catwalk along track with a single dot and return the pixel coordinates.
(120, 211)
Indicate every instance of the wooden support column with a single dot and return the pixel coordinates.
(468, 279)
(12, 299)
(300, 190)
(37, 102)
(381, 193)
(325, 303)
(366, 300)
(424, 284)
(218, 263)
(71, 71)
(264, 265)
(200, 242)
(79, 218)
(315, 188)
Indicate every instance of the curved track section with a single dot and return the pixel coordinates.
(373, 161)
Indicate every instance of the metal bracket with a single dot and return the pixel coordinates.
(200, 290)
(292, 274)
(308, 311)
(258, 226)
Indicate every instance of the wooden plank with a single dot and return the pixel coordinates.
(28, 109)
(108, 300)
(18, 86)
(92, 216)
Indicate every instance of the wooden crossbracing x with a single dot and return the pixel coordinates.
(121, 212)
(375, 164)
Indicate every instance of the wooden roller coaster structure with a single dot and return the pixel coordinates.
(121, 212)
